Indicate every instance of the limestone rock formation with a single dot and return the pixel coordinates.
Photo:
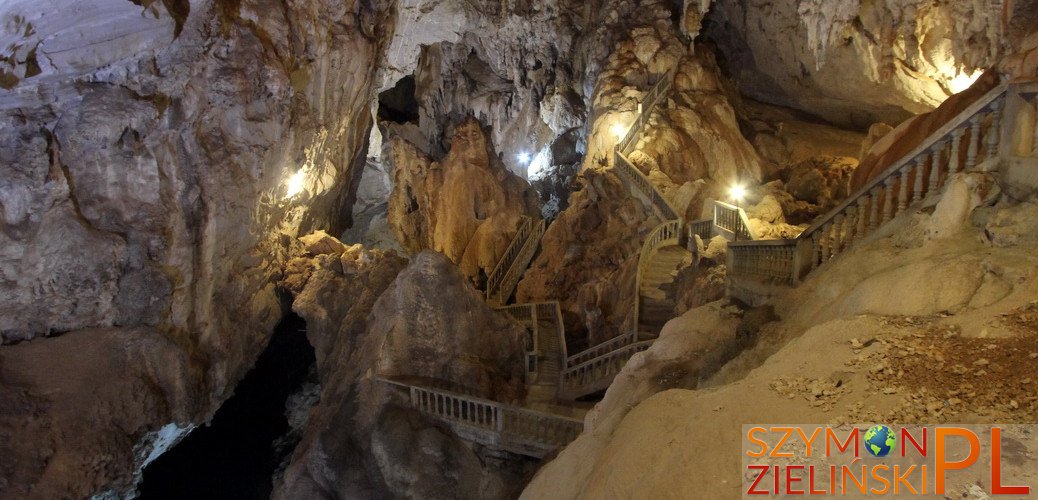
(467, 206)
(856, 63)
(417, 321)
(588, 258)
(156, 163)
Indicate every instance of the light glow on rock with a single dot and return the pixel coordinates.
(539, 167)
(963, 81)
(619, 130)
(295, 184)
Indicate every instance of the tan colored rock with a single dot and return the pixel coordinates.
(321, 243)
(466, 206)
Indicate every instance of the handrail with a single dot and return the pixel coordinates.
(496, 424)
(509, 269)
(645, 107)
(704, 228)
(733, 219)
(905, 182)
(495, 277)
(666, 234)
(597, 373)
(599, 349)
(935, 137)
(660, 205)
(533, 313)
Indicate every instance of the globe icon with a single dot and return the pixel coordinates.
(879, 440)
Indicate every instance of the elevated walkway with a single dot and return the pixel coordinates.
(493, 424)
(995, 133)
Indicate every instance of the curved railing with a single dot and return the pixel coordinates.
(494, 424)
(970, 138)
(618, 348)
(517, 257)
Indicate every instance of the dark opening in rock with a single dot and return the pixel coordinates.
(235, 456)
(398, 104)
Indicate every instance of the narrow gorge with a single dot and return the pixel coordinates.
(497, 249)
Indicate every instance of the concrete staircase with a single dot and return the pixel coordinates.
(657, 293)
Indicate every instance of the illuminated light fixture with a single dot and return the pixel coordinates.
(524, 158)
(619, 130)
(737, 192)
(963, 81)
(295, 184)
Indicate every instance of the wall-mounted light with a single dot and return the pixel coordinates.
(523, 157)
(737, 192)
(295, 184)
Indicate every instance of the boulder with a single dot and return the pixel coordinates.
(321, 243)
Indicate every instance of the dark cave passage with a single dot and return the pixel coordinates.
(236, 455)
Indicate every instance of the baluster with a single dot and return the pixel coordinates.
(995, 131)
(860, 233)
(902, 190)
(954, 162)
(824, 242)
(838, 222)
(888, 199)
(920, 169)
(874, 208)
(935, 166)
(974, 145)
(814, 250)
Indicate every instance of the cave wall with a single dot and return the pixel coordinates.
(146, 159)
(853, 62)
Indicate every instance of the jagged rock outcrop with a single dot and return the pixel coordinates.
(418, 321)
(856, 63)
(149, 157)
(589, 257)
(466, 206)
(509, 64)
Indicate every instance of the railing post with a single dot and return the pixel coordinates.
(839, 228)
(935, 167)
(902, 191)
(815, 250)
(874, 209)
(994, 132)
(862, 214)
(888, 199)
(920, 171)
(955, 162)
(974, 144)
